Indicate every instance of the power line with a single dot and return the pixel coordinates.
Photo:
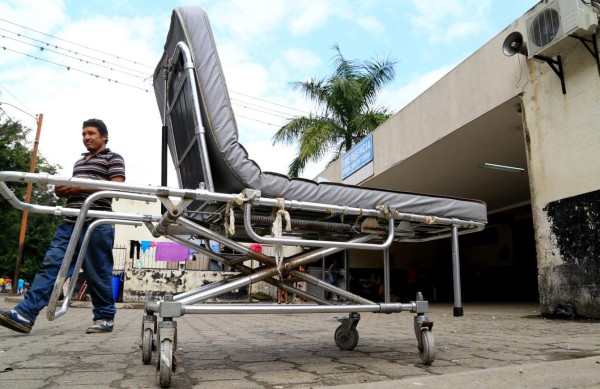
(65, 49)
(15, 97)
(76, 44)
(266, 101)
(256, 120)
(117, 65)
(72, 57)
(75, 69)
(7, 115)
(260, 110)
(15, 107)
(239, 102)
(110, 63)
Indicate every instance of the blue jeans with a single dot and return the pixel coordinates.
(97, 266)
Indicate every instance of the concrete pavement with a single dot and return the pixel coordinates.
(492, 346)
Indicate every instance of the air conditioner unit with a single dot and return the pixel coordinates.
(547, 27)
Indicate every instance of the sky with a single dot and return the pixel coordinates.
(72, 60)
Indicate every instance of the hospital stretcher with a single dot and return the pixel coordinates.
(223, 196)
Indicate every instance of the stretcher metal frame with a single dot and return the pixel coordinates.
(176, 227)
(201, 213)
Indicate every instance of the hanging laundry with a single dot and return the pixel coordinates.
(145, 246)
(152, 244)
(171, 252)
(134, 247)
(214, 246)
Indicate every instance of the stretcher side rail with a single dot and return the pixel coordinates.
(164, 193)
(51, 312)
(172, 218)
(65, 266)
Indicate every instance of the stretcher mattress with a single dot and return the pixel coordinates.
(232, 170)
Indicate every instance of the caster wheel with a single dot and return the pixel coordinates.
(147, 346)
(166, 363)
(427, 353)
(346, 343)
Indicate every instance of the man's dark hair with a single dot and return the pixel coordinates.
(99, 124)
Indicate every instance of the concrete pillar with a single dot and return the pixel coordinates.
(562, 135)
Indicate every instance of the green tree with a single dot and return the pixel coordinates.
(15, 155)
(346, 114)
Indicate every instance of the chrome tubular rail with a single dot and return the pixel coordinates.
(51, 312)
(315, 243)
(72, 246)
(182, 49)
(301, 308)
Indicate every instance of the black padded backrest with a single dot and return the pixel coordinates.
(232, 170)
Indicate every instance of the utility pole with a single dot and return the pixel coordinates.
(27, 200)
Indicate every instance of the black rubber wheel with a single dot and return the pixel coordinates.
(346, 343)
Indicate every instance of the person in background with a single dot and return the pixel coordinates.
(286, 296)
(99, 163)
(20, 285)
(331, 276)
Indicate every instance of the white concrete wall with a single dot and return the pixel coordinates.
(152, 284)
(123, 234)
(563, 146)
(564, 130)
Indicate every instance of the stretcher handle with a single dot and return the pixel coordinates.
(81, 256)
(79, 224)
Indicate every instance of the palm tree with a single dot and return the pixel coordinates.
(345, 100)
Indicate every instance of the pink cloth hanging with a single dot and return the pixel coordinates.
(171, 252)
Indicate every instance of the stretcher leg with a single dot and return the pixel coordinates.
(423, 331)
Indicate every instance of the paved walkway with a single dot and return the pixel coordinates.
(499, 345)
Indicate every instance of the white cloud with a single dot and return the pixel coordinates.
(43, 15)
(308, 15)
(301, 59)
(247, 20)
(372, 25)
(278, 159)
(444, 21)
(68, 97)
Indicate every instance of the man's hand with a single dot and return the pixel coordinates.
(66, 191)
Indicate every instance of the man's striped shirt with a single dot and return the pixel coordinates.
(105, 166)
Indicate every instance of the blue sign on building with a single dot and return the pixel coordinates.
(358, 156)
